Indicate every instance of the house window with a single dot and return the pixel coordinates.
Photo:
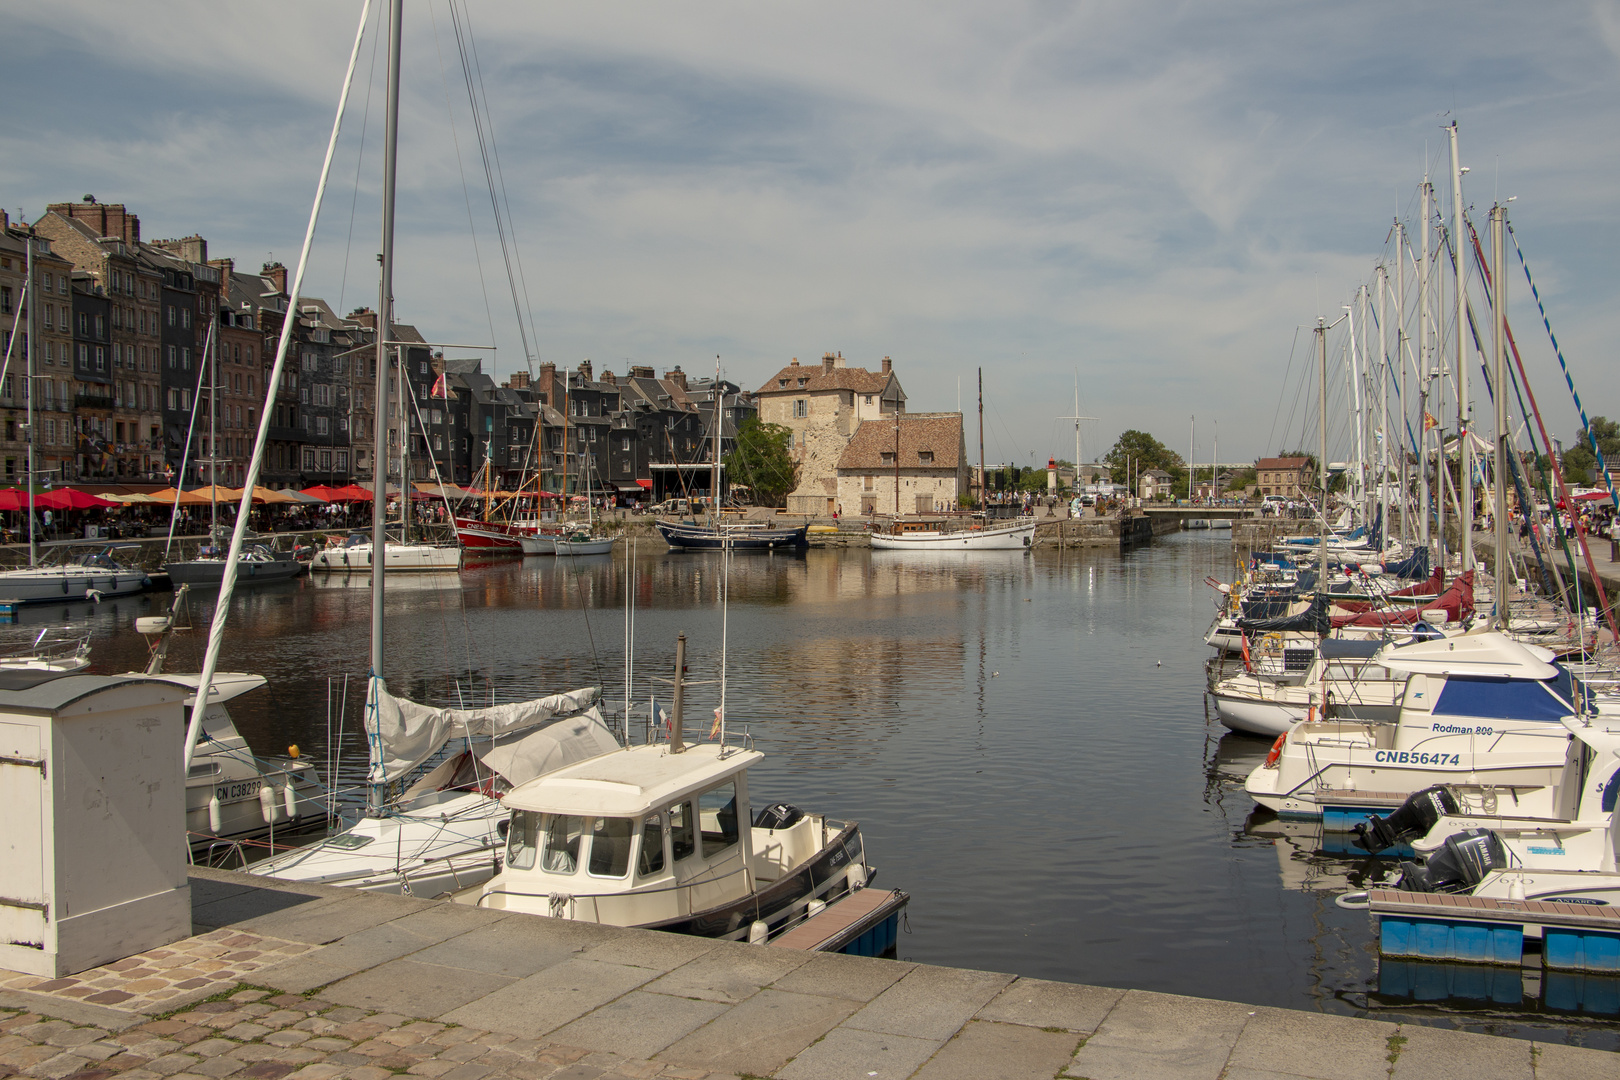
(321, 425)
(343, 461)
(326, 461)
(101, 358)
(868, 483)
(801, 408)
(887, 457)
(926, 457)
(309, 458)
(171, 314)
(804, 382)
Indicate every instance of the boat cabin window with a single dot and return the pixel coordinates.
(610, 846)
(522, 840)
(683, 841)
(718, 810)
(563, 832)
(652, 847)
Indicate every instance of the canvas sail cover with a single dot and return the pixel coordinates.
(404, 734)
(1313, 619)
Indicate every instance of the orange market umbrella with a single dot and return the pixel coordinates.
(170, 496)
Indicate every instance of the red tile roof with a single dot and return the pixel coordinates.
(819, 377)
(940, 433)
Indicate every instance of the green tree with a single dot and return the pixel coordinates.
(1135, 452)
(1240, 480)
(761, 461)
(1580, 463)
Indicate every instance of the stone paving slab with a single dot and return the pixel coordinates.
(391, 987)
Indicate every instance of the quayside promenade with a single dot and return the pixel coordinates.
(314, 983)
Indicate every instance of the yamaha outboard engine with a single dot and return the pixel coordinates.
(1460, 864)
(778, 816)
(1413, 818)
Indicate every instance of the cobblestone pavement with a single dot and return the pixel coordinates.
(258, 1035)
(162, 978)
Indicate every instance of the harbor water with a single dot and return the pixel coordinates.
(1023, 738)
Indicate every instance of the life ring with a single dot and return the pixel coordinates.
(1276, 751)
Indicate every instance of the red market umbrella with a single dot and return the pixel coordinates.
(351, 493)
(70, 499)
(323, 492)
(12, 499)
(1592, 496)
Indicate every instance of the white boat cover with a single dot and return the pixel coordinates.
(404, 734)
(1489, 654)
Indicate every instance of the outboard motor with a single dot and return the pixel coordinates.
(1413, 818)
(778, 816)
(1460, 864)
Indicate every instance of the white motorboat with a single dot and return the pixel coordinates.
(660, 836)
(257, 565)
(94, 576)
(1343, 682)
(443, 832)
(1001, 538)
(583, 544)
(355, 554)
(233, 793)
(1480, 710)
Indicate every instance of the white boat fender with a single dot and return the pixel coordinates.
(1353, 901)
(857, 877)
(758, 931)
(289, 799)
(814, 908)
(267, 804)
(213, 812)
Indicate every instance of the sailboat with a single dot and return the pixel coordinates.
(584, 541)
(258, 564)
(433, 833)
(693, 536)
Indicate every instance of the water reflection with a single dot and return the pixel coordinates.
(1022, 736)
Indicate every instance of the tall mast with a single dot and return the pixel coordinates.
(213, 436)
(981, 439)
(1499, 385)
(1465, 487)
(28, 399)
(1192, 443)
(1383, 396)
(714, 476)
(1400, 356)
(1424, 364)
(1321, 448)
(385, 308)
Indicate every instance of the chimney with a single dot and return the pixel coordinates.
(641, 373)
(107, 219)
(888, 366)
(519, 380)
(826, 361)
(678, 377)
(225, 267)
(585, 369)
(795, 362)
(277, 274)
(194, 249)
(5, 220)
(610, 378)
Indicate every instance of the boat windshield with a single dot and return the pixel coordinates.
(522, 840)
(563, 833)
(610, 847)
(718, 811)
(1572, 690)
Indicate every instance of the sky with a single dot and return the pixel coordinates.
(1152, 200)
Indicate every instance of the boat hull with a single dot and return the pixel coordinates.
(69, 583)
(400, 558)
(684, 537)
(584, 547)
(1011, 538)
(206, 573)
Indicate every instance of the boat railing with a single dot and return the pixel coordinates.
(554, 896)
(50, 644)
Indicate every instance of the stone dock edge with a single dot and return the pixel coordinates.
(284, 980)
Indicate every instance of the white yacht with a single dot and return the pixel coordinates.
(354, 554)
(1343, 682)
(660, 836)
(94, 576)
(1479, 711)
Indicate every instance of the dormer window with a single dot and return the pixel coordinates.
(804, 382)
(887, 457)
(781, 382)
(925, 456)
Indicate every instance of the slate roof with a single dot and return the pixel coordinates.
(940, 433)
(819, 377)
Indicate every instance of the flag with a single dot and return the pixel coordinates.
(440, 389)
(1429, 422)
